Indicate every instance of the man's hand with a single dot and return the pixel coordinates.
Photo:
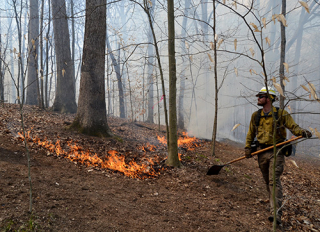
(306, 134)
(247, 152)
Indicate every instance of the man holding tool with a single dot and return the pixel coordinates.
(261, 128)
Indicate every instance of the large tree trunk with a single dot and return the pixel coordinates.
(173, 159)
(33, 41)
(65, 95)
(91, 116)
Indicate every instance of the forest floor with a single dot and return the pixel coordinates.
(75, 186)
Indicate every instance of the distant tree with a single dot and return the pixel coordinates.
(73, 36)
(1, 76)
(185, 64)
(116, 65)
(91, 115)
(65, 93)
(46, 94)
(18, 18)
(41, 97)
(33, 41)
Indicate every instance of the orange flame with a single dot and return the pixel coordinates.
(147, 147)
(162, 140)
(189, 142)
(113, 161)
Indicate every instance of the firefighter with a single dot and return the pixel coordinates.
(261, 128)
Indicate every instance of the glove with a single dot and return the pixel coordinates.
(306, 134)
(247, 152)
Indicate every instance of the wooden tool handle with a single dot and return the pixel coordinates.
(265, 149)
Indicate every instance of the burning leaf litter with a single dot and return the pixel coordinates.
(113, 160)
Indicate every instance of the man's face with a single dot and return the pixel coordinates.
(262, 99)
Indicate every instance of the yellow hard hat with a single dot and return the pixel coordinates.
(263, 90)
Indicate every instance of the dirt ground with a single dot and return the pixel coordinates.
(70, 196)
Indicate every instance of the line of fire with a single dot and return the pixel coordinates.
(147, 167)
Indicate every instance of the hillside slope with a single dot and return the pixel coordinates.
(75, 194)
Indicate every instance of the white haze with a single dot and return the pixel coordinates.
(128, 26)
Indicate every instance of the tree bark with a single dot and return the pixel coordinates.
(33, 33)
(47, 59)
(215, 122)
(282, 53)
(91, 114)
(41, 100)
(173, 159)
(64, 101)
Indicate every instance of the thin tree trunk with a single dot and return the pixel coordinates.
(118, 74)
(53, 74)
(173, 159)
(12, 68)
(47, 58)
(1, 74)
(20, 63)
(130, 93)
(282, 53)
(215, 123)
(41, 101)
(108, 88)
(143, 91)
(73, 42)
(161, 72)
(23, 77)
(28, 156)
(123, 104)
(150, 66)
(158, 101)
(113, 98)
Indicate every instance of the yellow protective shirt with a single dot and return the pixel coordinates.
(264, 132)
